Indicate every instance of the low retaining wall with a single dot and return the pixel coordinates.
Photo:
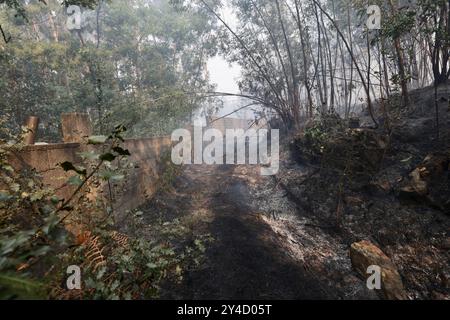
(44, 159)
(140, 184)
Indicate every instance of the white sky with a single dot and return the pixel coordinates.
(224, 75)
(221, 73)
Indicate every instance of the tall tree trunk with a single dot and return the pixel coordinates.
(305, 59)
(350, 98)
(329, 59)
(385, 69)
(295, 87)
(355, 62)
(400, 61)
(275, 45)
(321, 62)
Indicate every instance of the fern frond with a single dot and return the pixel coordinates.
(120, 239)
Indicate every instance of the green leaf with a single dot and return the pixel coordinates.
(55, 200)
(5, 197)
(107, 157)
(47, 209)
(108, 175)
(117, 177)
(14, 286)
(15, 187)
(50, 222)
(11, 244)
(152, 265)
(121, 151)
(97, 140)
(69, 166)
(41, 251)
(105, 175)
(101, 273)
(75, 181)
(115, 285)
(90, 283)
(89, 155)
(8, 168)
(199, 244)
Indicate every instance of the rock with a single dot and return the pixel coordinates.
(364, 254)
(416, 186)
(434, 165)
(430, 181)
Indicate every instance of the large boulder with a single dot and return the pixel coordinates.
(430, 182)
(416, 186)
(364, 254)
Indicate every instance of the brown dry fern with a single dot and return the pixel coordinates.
(120, 239)
(94, 249)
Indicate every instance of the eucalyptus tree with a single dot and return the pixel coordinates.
(135, 62)
(288, 50)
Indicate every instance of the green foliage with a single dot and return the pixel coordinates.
(31, 217)
(170, 172)
(30, 224)
(134, 271)
(116, 266)
(18, 6)
(149, 59)
(352, 153)
(34, 243)
(399, 24)
(317, 134)
(316, 137)
(15, 287)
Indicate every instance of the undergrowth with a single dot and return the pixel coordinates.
(37, 248)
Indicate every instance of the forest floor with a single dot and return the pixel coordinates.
(252, 256)
(288, 236)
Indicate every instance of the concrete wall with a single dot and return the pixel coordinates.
(223, 124)
(45, 159)
(142, 182)
(146, 155)
(139, 185)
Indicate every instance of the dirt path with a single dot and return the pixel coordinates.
(253, 256)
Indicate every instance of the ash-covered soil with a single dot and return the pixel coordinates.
(393, 189)
(262, 247)
(288, 236)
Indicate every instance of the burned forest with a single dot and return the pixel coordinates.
(216, 150)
